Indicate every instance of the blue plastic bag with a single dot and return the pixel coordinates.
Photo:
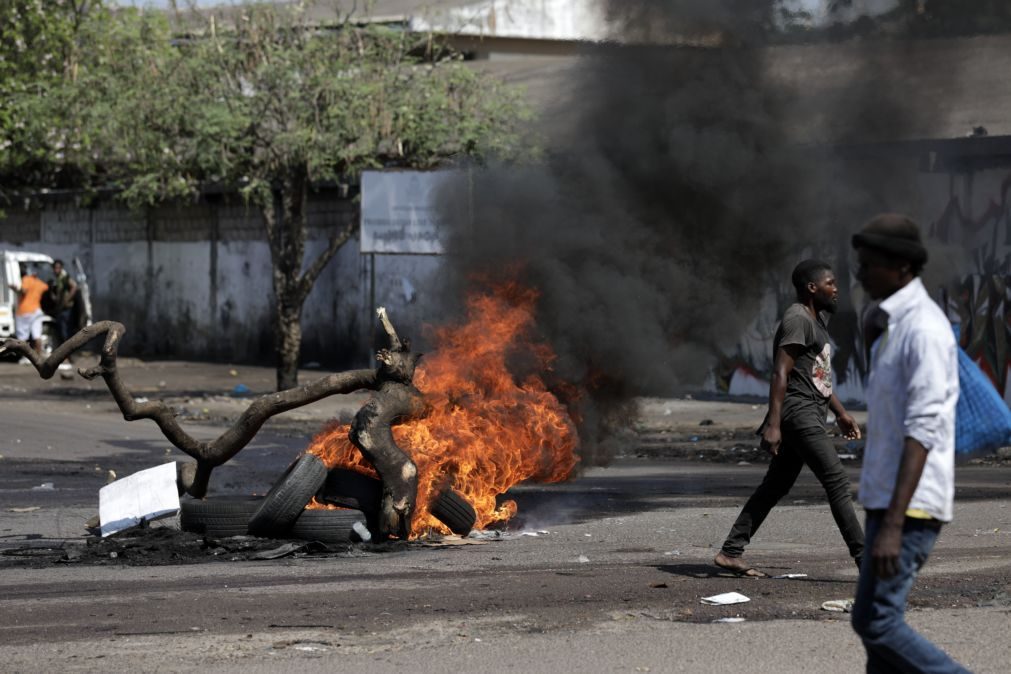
(982, 418)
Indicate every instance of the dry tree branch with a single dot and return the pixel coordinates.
(208, 454)
(395, 400)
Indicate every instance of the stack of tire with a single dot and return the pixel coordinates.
(282, 512)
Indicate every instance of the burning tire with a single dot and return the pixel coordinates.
(286, 500)
(453, 510)
(329, 526)
(218, 517)
(349, 489)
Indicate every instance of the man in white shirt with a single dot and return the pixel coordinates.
(907, 483)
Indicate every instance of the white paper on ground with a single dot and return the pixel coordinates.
(725, 599)
(838, 605)
(790, 575)
(145, 495)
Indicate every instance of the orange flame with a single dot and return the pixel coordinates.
(486, 431)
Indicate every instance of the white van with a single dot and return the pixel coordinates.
(13, 265)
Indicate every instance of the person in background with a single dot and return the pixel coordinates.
(794, 432)
(907, 483)
(28, 319)
(62, 294)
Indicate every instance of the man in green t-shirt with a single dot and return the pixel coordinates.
(794, 429)
(62, 293)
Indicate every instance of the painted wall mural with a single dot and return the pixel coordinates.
(971, 216)
(980, 300)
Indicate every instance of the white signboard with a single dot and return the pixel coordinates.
(400, 211)
(146, 495)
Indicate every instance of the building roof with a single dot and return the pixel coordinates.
(940, 88)
(831, 93)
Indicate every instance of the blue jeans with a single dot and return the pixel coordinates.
(879, 610)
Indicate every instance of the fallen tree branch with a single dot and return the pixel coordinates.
(395, 401)
(193, 479)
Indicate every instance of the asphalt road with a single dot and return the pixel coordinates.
(602, 573)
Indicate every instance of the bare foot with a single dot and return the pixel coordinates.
(737, 565)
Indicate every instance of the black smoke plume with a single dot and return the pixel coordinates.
(686, 181)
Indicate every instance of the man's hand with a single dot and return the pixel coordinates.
(887, 550)
(772, 438)
(849, 427)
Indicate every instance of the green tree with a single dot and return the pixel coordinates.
(39, 48)
(261, 101)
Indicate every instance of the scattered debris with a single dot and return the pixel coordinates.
(532, 534)
(735, 619)
(672, 553)
(289, 549)
(658, 586)
(436, 541)
(847, 457)
(240, 390)
(725, 599)
(363, 532)
(838, 605)
(583, 559)
(45, 486)
(141, 400)
(29, 509)
(706, 422)
(789, 576)
(302, 645)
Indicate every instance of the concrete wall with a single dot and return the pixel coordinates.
(534, 19)
(195, 280)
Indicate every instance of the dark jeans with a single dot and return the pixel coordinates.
(65, 324)
(880, 606)
(814, 447)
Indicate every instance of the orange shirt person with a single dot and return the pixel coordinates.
(28, 319)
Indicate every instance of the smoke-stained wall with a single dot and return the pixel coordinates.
(966, 219)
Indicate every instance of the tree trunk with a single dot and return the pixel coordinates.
(288, 336)
(287, 231)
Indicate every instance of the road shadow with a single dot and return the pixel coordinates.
(713, 571)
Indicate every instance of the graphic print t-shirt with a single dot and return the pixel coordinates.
(809, 385)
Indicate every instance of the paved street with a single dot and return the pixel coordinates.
(602, 573)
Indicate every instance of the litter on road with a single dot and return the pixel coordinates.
(725, 599)
(838, 605)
